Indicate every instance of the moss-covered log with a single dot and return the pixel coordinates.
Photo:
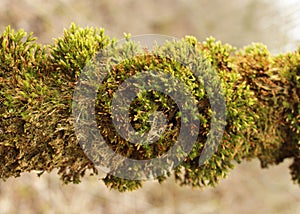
(37, 84)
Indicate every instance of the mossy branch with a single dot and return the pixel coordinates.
(37, 84)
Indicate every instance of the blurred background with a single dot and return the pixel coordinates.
(248, 188)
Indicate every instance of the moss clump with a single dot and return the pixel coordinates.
(37, 84)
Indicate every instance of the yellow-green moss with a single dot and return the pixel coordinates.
(37, 84)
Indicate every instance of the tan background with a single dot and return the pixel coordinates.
(248, 189)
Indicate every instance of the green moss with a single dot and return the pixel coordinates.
(37, 84)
